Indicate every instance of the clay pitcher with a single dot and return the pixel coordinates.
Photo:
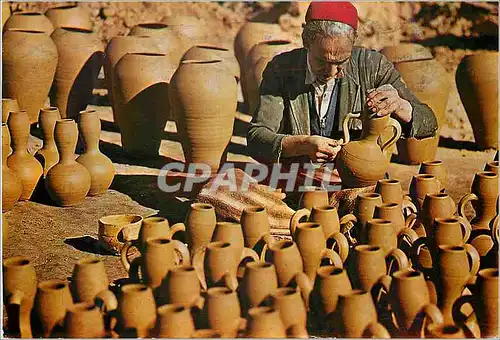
(451, 231)
(174, 321)
(393, 212)
(353, 170)
(89, 279)
(203, 93)
(84, 320)
(292, 310)
(492, 166)
(200, 226)
(229, 232)
(26, 167)
(30, 21)
(435, 168)
(365, 209)
(67, 182)
(48, 155)
(390, 190)
(477, 84)
(255, 225)
(8, 105)
(23, 52)
(111, 233)
(99, 166)
(80, 60)
(183, 287)
(313, 196)
(69, 16)
(223, 311)
(12, 187)
(422, 185)
(53, 298)
(434, 206)
(206, 52)
(136, 309)
(265, 322)
(383, 233)
(259, 282)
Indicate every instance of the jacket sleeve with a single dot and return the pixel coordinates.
(423, 123)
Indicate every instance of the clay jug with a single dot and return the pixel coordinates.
(169, 40)
(414, 151)
(80, 60)
(259, 282)
(26, 167)
(142, 81)
(422, 185)
(208, 52)
(292, 310)
(265, 322)
(67, 182)
(492, 166)
(22, 52)
(189, 29)
(111, 234)
(393, 212)
(84, 320)
(354, 155)
(99, 166)
(477, 84)
(8, 105)
(434, 206)
(255, 225)
(365, 209)
(31, 21)
(48, 155)
(211, 102)
(53, 298)
(5, 12)
(89, 280)
(435, 168)
(19, 289)
(383, 233)
(444, 331)
(70, 16)
(183, 287)
(174, 321)
(200, 226)
(223, 311)
(390, 190)
(12, 187)
(313, 196)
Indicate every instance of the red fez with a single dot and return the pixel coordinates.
(332, 10)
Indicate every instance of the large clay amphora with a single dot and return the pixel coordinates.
(31, 21)
(53, 298)
(170, 41)
(354, 155)
(80, 60)
(69, 16)
(23, 52)
(48, 155)
(8, 105)
(207, 52)
(477, 84)
(203, 94)
(12, 187)
(190, 30)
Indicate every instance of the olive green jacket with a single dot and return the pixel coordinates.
(284, 106)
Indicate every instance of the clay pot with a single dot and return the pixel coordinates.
(492, 166)
(19, 289)
(292, 310)
(136, 309)
(84, 320)
(255, 226)
(434, 206)
(422, 185)
(48, 155)
(477, 84)
(265, 322)
(5, 13)
(392, 212)
(210, 52)
(415, 151)
(99, 166)
(229, 232)
(189, 29)
(183, 287)
(172, 44)
(365, 209)
(444, 331)
(223, 311)
(390, 190)
(259, 283)
(8, 105)
(80, 60)
(89, 279)
(383, 233)
(70, 16)
(212, 102)
(174, 321)
(26, 167)
(286, 258)
(313, 196)
(12, 187)
(142, 81)
(448, 231)
(200, 226)
(111, 226)
(353, 156)
(435, 168)
(31, 21)
(67, 182)
(23, 52)
(52, 300)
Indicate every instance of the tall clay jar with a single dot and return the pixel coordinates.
(255, 225)
(48, 155)
(207, 51)
(27, 168)
(69, 16)
(171, 42)
(200, 226)
(477, 84)
(29, 61)
(67, 182)
(189, 29)
(33, 21)
(8, 105)
(80, 60)
(99, 166)
(12, 187)
(203, 94)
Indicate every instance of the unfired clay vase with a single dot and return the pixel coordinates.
(190, 30)
(26, 167)
(12, 187)
(393, 212)
(255, 225)
(8, 104)
(200, 225)
(286, 258)
(183, 287)
(354, 155)
(169, 39)
(265, 322)
(70, 16)
(477, 84)
(365, 209)
(53, 298)
(29, 61)
(32, 21)
(48, 155)
(89, 279)
(84, 320)
(231, 232)
(206, 51)
(436, 205)
(80, 60)
(110, 230)
(259, 282)
(383, 233)
(422, 185)
(136, 309)
(223, 311)
(435, 168)
(99, 166)
(392, 192)
(203, 93)
(292, 310)
(174, 321)
(67, 182)
(492, 166)
(313, 196)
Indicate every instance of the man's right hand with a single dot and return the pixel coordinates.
(319, 149)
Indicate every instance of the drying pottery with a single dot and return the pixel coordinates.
(89, 279)
(30, 21)
(200, 226)
(393, 212)
(390, 190)
(110, 232)
(48, 155)
(189, 29)
(422, 185)
(170, 41)
(84, 320)
(255, 225)
(259, 282)
(8, 105)
(383, 233)
(435, 168)
(183, 287)
(29, 61)
(174, 321)
(70, 16)
(136, 309)
(210, 52)
(365, 209)
(434, 206)
(313, 196)
(53, 298)
(492, 166)
(292, 310)
(223, 311)
(415, 151)
(12, 187)
(265, 322)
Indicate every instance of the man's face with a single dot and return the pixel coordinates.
(328, 56)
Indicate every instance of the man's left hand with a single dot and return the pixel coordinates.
(385, 100)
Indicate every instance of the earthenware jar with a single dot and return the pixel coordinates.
(183, 287)
(255, 225)
(422, 185)
(22, 52)
(212, 102)
(19, 289)
(286, 258)
(174, 321)
(89, 279)
(84, 320)
(12, 187)
(67, 182)
(207, 52)
(8, 105)
(444, 331)
(136, 309)
(200, 226)
(435, 168)
(48, 155)
(190, 30)
(353, 170)
(30, 21)
(288, 302)
(448, 231)
(26, 167)
(365, 209)
(229, 232)
(80, 60)
(223, 311)
(390, 190)
(393, 212)
(259, 282)
(111, 226)
(492, 166)
(169, 38)
(383, 233)
(99, 166)
(265, 322)
(69, 16)
(434, 206)
(477, 84)
(53, 298)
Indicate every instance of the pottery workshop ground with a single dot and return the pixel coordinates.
(54, 238)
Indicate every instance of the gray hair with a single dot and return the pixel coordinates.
(326, 28)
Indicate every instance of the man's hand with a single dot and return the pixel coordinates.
(385, 100)
(319, 149)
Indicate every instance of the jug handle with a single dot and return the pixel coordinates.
(106, 301)
(383, 284)
(415, 250)
(343, 245)
(299, 214)
(495, 232)
(410, 220)
(230, 281)
(466, 227)
(349, 218)
(408, 206)
(429, 311)
(397, 133)
(345, 125)
(183, 251)
(376, 330)
(335, 258)
(456, 313)
(178, 227)
(400, 258)
(24, 314)
(474, 257)
(199, 266)
(463, 201)
(124, 252)
(305, 287)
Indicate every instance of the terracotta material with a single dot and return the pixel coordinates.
(52, 300)
(229, 232)
(390, 190)
(169, 38)
(415, 151)
(477, 84)
(265, 322)
(435, 168)
(142, 81)
(365, 209)
(89, 279)
(26, 167)
(422, 185)
(212, 102)
(200, 226)
(259, 283)
(99, 166)
(189, 29)
(183, 287)
(448, 231)
(67, 182)
(286, 258)
(208, 52)
(174, 321)
(406, 52)
(444, 332)
(70, 16)
(434, 206)
(84, 320)
(29, 61)
(393, 212)
(292, 311)
(354, 155)
(12, 187)
(383, 233)
(48, 155)
(492, 166)
(31, 21)
(110, 228)
(255, 225)
(8, 104)
(223, 311)
(136, 309)
(313, 196)
(80, 60)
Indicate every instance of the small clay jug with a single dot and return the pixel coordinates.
(313, 196)
(392, 192)
(393, 212)
(26, 167)
(288, 302)
(286, 258)
(229, 232)
(48, 155)
(200, 226)
(265, 322)
(30, 21)
(67, 182)
(434, 206)
(183, 287)
(255, 225)
(99, 166)
(444, 331)
(421, 185)
(492, 166)
(12, 187)
(259, 282)
(174, 321)
(136, 310)
(448, 231)
(383, 233)
(365, 209)
(19, 289)
(223, 311)
(111, 233)
(53, 298)
(80, 60)
(84, 320)
(435, 168)
(69, 16)
(22, 52)
(207, 51)
(8, 105)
